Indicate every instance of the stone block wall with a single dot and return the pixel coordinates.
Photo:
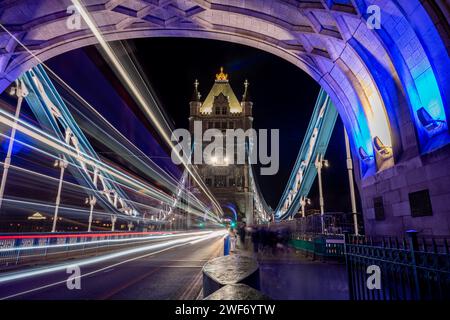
(431, 172)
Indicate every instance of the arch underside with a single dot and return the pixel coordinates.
(382, 81)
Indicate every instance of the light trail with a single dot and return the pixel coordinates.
(80, 234)
(63, 147)
(168, 179)
(139, 98)
(222, 233)
(21, 204)
(77, 244)
(199, 182)
(174, 184)
(85, 189)
(19, 275)
(169, 200)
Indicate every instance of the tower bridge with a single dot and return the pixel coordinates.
(383, 68)
(390, 84)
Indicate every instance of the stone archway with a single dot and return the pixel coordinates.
(383, 81)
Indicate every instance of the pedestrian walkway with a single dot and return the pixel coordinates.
(288, 274)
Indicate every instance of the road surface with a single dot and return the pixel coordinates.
(171, 271)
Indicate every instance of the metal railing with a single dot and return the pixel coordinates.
(32, 248)
(319, 246)
(412, 268)
(334, 223)
(307, 237)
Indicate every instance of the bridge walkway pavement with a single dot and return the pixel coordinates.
(287, 274)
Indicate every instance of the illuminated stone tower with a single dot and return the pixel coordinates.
(221, 110)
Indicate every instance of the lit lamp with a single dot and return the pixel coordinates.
(91, 200)
(36, 216)
(62, 164)
(320, 163)
(303, 202)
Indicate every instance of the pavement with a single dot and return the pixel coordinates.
(287, 274)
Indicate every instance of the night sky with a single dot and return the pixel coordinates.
(283, 96)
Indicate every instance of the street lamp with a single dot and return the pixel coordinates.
(303, 202)
(91, 201)
(113, 222)
(320, 163)
(350, 180)
(62, 164)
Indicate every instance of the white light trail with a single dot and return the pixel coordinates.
(56, 157)
(192, 173)
(196, 212)
(125, 77)
(61, 146)
(77, 244)
(19, 275)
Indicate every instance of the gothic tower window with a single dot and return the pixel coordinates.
(220, 181)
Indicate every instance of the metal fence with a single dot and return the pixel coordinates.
(306, 234)
(319, 246)
(411, 268)
(334, 223)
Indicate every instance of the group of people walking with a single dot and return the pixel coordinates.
(264, 239)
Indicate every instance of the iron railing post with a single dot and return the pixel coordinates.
(348, 266)
(414, 247)
(18, 256)
(47, 243)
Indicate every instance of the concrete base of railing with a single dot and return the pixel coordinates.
(238, 291)
(230, 270)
